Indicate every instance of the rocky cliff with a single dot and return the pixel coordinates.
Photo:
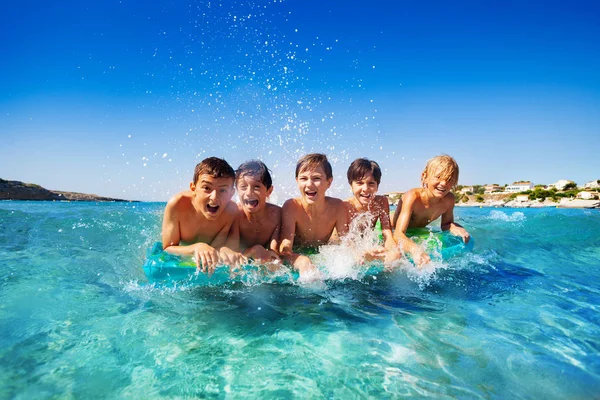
(15, 190)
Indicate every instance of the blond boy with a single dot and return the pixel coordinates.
(258, 222)
(309, 220)
(364, 177)
(197, 222)
(420, 206)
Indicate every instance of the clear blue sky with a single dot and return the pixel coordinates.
(123, 98)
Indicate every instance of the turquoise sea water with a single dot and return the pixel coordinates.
(517, 318)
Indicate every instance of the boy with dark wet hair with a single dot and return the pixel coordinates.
(420, 206)
(364, 177)
(258, 222)
(198, 221)
(309, 220)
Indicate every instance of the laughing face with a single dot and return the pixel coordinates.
(212, 195)
(313, 183)
(364, 189)
(436, 184)
(253, 193)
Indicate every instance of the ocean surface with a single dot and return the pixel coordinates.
(516, 318)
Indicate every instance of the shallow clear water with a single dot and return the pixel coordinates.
(516, 318)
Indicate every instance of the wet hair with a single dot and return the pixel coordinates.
(215, 167)
(445, 167)
(361, 167)
(257, 169)
(314, 161)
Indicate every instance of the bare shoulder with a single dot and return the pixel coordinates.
(334, 201)
(231, 209)
(412, 194)
(179, 202)
(291, 207)
(449, 201)
(382, 201)
(273, 210)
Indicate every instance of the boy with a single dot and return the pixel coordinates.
(258, 222)
(420, 206)
(197, 222)
(309, 220)
(364, 177)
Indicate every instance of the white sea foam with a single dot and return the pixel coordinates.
(346, 259)
(517, 216)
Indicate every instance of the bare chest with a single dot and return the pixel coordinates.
(422, 215)
(256, 232)
(315, 229)
(194, 230)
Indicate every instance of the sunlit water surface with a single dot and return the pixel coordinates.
(516, 318)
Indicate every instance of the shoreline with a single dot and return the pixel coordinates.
(564, 203)
(20, 191)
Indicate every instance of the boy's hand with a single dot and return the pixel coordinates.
(420, 257)
(391, 255)
(273, 256)
(261, 254)
(231, 258)
(304, 265)
(206, 257)
(462, 232)
(377, 253)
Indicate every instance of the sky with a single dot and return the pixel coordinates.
(124, 98)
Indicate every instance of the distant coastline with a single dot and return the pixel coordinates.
(510, 201)
(16, 190)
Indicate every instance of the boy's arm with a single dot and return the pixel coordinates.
(227, 240)
(449, 224)
(274, 241)
(407, 203)
(386, 227)
(233, 236)
(206, 256)
(342, 220)
(288, 227)
(170, 228)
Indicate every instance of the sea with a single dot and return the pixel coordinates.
(518, 317)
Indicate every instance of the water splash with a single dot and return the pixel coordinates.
(345, 261)
(516, 216)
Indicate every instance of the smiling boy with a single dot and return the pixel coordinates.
(420, 206)
(364, 177)
(309, 220)
(197, 222)
(258, 222)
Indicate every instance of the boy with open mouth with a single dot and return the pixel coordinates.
(197, 222)
(308, 221)
(258, 222)
(364, 177)
(420, 206)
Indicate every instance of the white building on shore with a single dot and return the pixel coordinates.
(560, 185)
(517, 187)
(592, 184)
(585, 195)
(493, 188)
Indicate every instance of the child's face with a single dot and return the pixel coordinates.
(437, 186)
(212, 194)
(364, 189)
(313, 183)
(253, 193)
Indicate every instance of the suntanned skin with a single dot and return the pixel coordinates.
(310, 219)
(258, 222)
(197, 222)
(420, 206)
(365, 200)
